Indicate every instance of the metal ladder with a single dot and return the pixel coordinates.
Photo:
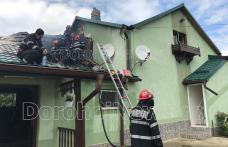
(124, 99)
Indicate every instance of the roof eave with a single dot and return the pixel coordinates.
(188, 82)
(39, 71)
(45, 71)
(104, 23)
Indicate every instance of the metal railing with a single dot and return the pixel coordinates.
(185, 48)
(66, 137)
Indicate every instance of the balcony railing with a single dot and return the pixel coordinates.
(184, 52)
(186, 48)
(66, 137)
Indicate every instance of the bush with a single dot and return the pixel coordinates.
(222, 121)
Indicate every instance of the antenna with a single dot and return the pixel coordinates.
(109, 49)
(142, 52)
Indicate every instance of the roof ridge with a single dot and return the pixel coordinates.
(106, 23)
(181, 6)
(134, 25)
(164, 13)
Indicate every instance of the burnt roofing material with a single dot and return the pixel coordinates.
(9, 46)
(205, 71)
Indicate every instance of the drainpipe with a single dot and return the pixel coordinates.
(125, 31)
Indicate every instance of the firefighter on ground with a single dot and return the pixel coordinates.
(144, 128)
(31, 49)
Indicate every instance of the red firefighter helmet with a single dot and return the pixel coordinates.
(145, 95)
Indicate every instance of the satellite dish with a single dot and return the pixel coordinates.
(110, 50)
(142, 52)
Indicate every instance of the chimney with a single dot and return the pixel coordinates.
(96, 14)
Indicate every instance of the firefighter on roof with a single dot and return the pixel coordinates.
(31, 50)
(143, 124)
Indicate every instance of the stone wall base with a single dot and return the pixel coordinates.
(181, 129)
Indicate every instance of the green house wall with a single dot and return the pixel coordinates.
(94, 129)
(107, 35)
(161, 73)
(218, 103)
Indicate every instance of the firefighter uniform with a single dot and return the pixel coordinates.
(143, 125)
(31, 49)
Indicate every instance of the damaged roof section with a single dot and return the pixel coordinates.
(10, 44)
(10, 64)
(206, 71)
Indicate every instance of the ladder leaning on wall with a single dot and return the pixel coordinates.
(121, 91)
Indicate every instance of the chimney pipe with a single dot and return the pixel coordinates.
(96, 14)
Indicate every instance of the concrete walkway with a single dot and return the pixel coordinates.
(210, 142)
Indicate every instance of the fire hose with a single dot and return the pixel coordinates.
(103, 125)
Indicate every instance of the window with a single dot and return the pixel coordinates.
(179, 38)
(7, 100)
(109, 98)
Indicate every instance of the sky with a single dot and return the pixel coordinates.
(54, 15)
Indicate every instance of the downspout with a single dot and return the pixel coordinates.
(97, 89)
(125, 30)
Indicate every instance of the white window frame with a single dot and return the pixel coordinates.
(205, 106)
(108, 90)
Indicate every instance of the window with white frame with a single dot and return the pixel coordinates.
(108, 98)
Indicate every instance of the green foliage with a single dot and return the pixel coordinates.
(222, 121)
(7, 100)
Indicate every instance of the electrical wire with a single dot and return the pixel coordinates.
(103, 125)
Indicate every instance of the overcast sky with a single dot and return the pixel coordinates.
(54, 15)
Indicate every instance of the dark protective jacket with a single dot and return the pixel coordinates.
(144, 127)
(30, 42)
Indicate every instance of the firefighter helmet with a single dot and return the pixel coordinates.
(145, 95)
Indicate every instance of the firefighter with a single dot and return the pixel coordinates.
(144, 128)
(31, 49)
